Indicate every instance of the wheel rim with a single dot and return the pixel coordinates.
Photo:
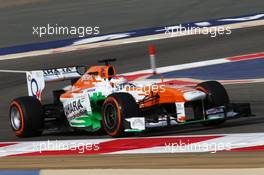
(15, 118)
(110, 118)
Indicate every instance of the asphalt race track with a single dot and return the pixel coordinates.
(134, 57)
(18, 17)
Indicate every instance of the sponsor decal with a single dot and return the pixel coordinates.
(78, 107)
(91, 90)
(35, 83)
(57, 71)
(35, 90)
(180, 111)
(73, 107)
(34, 87)
(215, 110)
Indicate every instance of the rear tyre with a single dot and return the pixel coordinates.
(116, 108)
(216, 96)
(26, 116)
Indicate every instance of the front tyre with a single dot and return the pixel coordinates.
(26, 116)
(116, 108)
(216, 93)
(216, 96)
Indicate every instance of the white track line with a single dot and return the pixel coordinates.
(182, 66)
(160, 69)
(227, 142)
(49, 145)
(121, 41)
(190, 65)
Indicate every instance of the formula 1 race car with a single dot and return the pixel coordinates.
(99, 99)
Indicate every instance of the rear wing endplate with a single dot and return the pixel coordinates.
(36, 80)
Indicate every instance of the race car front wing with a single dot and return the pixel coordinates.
(221, 113)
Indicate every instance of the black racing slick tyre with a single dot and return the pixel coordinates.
(216, 93)
(216, 96)
(26, 117)
(116, 108)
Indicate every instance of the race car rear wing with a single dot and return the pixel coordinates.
(62, 73)
(36, 79)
